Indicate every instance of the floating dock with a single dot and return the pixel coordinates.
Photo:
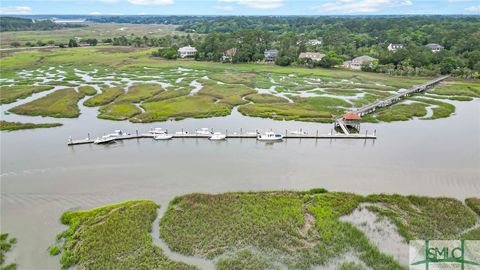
(286, 136)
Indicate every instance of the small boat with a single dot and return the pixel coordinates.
(270, 136)
(252, 133)
(157, 131)
(117, 134)
(298, 132)
(181, 133)
(203, 131)
(217, 136)
(104, 139)
(163, 136)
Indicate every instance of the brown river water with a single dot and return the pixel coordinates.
(41, 177)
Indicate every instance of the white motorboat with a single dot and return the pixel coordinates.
(157, 131)
(117, 134)
(163, 136)
(270, 136)
(181, 133)
(217, 136)
(104, 139)
(203, 131)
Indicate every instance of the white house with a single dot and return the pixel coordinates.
(434, 47)
(271, 55)
(393, 47)
(314, 42)
(315, 56)
(229, 54)
(357, 62)
(187, 51)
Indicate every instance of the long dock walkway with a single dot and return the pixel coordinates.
(397, 97)
(235, 136)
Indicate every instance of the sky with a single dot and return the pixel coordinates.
(238, 7)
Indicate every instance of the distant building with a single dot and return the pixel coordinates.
(434, 47)
(358, 62)
(229, 54)
(393, 47)
(271, 55)
(187, 51)
(315, 56)
(314, 42)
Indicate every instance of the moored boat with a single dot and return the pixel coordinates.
(104, 139)
(217, 136)
(155, 131)
(163, 136)
(270, 136)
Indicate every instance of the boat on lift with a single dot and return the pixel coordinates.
(270, 136)
(218, 136)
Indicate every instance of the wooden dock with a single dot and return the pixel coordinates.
(286, 136)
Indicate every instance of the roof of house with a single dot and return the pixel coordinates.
(230, 52)
(351, 116)
(395, 45)
(363, 58)
(313, 55)
(433, 45)
(188, 48)
(271, 51)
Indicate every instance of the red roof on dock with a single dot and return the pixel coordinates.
(351, 116)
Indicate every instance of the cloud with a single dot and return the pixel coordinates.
(473, 9)
(142, 2)
(257, 4)
(360, 6)
(225, 8)
(95, 13)
(19, 10)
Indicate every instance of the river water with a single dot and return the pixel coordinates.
(41, 177)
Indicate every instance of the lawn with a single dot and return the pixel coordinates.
(60, 104)
(10, 94)
(112, 237)
(10, 126)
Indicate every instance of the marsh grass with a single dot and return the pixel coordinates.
(118, 111)
(140, 92)
(265, 99)
(11, 126)
(60, 104)
(112, 237)
(6, 245)
(231, 94)
(10, 94)
(107, 96)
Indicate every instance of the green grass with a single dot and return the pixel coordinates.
(226, 93)
(140, 92)
(112, 237)
(441, 109)
(315, 109)
(87, 90)
(60, 104)
(107, 96)
(6, 245)
(401, 112)
(182, 107)
(300, 230)
(474, 204)
(425, 218)
(469, 89)
(10, 94)
(171, 93)
(265, 99)
(118, 111)
(10, 126)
